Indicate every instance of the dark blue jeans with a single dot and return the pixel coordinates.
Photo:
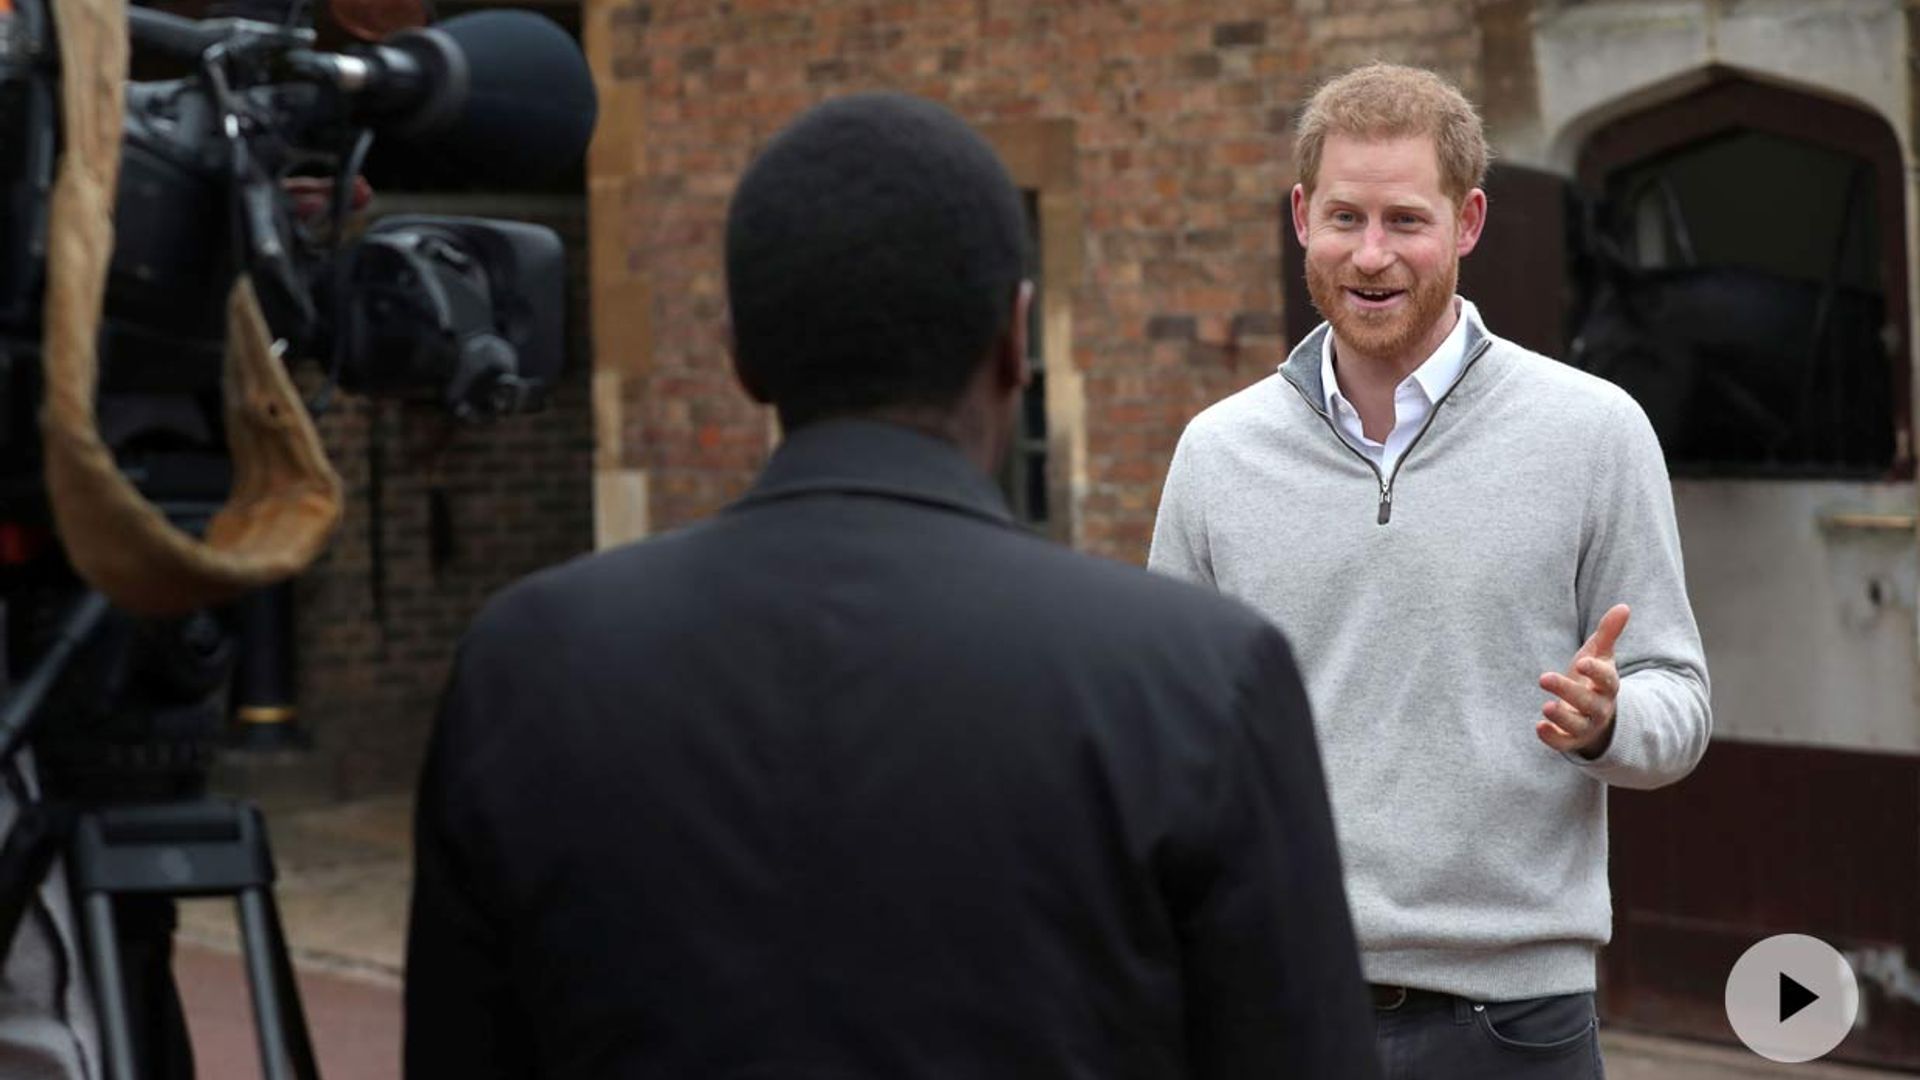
(1431, 1037)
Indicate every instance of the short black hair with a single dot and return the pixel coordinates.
(874, 249)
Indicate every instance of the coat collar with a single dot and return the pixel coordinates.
(873, 457)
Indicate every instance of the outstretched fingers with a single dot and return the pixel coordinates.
(1578, 692)
(1556, 736)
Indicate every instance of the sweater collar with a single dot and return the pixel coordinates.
(1304, 365)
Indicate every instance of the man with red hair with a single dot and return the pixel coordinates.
(1448, 526)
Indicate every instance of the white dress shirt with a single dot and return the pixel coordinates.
(1412, 400)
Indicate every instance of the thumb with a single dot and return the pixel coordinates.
(1608, 632)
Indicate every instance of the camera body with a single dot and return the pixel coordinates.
(462, 310)
(244, 164)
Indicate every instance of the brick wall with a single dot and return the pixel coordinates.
(517, 497)
(1181, 113)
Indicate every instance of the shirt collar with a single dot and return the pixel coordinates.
(1435, 375)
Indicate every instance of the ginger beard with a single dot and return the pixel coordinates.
(1382, 332)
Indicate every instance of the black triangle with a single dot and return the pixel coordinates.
(1793, 997)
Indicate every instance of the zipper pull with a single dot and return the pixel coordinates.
(1386, 505)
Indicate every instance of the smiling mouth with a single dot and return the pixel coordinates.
(1374, 296)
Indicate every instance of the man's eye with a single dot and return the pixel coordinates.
(1344, 217)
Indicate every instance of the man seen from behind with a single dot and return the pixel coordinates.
(858, 778)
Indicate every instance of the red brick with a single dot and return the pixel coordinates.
(1181, 113)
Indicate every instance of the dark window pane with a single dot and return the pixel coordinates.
(1034, 407)
(1720, 202)
(1739, 300)
(1023, 479)
(1037, 487)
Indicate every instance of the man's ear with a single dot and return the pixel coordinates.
(1473, 218)
(1011, 369)
(1299, 201)
(740, 374)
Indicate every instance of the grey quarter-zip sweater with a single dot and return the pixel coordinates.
(1423, 605)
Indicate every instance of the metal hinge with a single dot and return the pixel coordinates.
(1867, 522)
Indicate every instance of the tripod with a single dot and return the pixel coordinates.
(143, 854)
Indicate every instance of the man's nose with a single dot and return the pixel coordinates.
(1374, 254)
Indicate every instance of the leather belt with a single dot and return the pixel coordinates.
(1390, 998)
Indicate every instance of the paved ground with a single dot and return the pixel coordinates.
(1644, 1057)
(355, 1021)
(343, 895)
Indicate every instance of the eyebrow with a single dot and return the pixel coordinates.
(1335, 203)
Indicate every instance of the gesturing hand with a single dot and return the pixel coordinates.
(1580, 718)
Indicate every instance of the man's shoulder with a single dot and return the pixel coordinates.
(1560, 394)
(1547, 381)
(1028, 585)
(1257, 407)
(553, 600)
(1112, 592)
(1098, 613)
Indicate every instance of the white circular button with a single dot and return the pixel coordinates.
(1792, 998)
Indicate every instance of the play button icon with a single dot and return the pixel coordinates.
(1791, 998)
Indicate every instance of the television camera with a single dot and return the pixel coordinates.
(243, 165)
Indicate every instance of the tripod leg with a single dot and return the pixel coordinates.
(284, 1042)
(160, 1039)
(109, 992)
(299, 1041)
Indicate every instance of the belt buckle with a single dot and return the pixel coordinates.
(1399, 998)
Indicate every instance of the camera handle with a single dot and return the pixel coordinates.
(210, 847)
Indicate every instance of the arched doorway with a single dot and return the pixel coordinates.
(1741, 267)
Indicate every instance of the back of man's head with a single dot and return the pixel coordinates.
(874, 251)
